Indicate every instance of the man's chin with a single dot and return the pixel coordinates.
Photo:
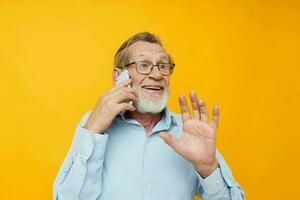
(151, 102)
(153, 106)
(153, 98)
(150, 111)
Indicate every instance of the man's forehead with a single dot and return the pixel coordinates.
(141, 49)
(161, 55)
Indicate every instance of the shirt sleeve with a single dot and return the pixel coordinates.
(80, 176)
(220, 184)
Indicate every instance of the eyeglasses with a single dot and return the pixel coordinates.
(145, 68)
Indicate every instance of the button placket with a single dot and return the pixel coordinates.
(146, 183)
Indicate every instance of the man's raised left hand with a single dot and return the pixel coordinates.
(197, 143)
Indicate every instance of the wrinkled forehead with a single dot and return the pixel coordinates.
(149, 51)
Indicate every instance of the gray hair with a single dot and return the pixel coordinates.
(121, 57)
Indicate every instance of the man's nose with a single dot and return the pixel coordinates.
(155, 73)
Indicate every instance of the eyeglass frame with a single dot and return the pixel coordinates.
(157, 65)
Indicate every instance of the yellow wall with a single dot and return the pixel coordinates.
(56, 58)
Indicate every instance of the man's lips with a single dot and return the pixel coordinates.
(153, 87)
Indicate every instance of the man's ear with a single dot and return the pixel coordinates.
(115, 73)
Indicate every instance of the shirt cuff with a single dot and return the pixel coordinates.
(213, 183)
(91, 145)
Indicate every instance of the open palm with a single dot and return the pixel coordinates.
(197, 143)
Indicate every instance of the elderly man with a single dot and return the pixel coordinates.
(132, 147)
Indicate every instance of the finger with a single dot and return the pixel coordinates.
(125, 83)
(122, 91)
(126, 106)
(194, 100)
(215, 118)
(125, 90)
(203, 111)
(121, 96)
(169, 139)
(121, 85)
(130, 90)
(184, 109)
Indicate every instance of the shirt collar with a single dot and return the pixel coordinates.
(168, 119)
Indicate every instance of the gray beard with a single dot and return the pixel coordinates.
(144, 105)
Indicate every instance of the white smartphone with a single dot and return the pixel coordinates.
(123, 77)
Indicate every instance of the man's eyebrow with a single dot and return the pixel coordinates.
(164, 57)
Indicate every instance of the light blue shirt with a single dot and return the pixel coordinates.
(127, 164)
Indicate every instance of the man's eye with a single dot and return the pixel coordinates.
(163, 66)
(143, 65)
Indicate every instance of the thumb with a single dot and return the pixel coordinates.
(168, 138)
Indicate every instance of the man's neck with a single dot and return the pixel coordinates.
(147, 120)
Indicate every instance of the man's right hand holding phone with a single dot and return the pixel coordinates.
(109, 105)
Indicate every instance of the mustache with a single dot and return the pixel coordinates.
(156, 84)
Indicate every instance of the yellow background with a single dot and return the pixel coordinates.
(56, 59)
